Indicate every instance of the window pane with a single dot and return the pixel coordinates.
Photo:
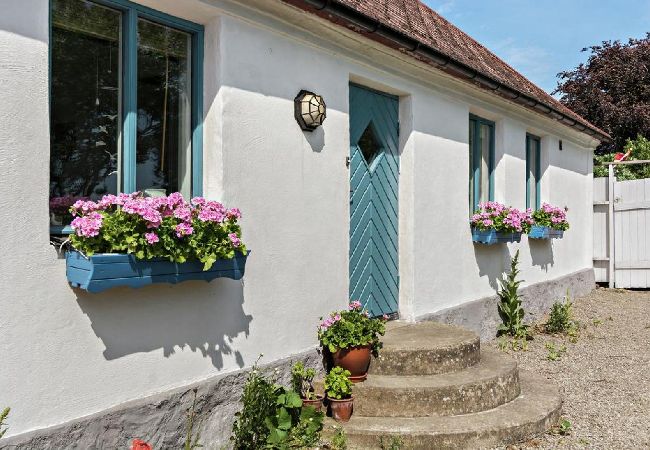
(163, 152)
(485, 161)
(85, 104)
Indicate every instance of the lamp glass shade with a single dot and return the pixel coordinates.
(310, 110)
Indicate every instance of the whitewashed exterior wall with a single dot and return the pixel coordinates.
(65, 354)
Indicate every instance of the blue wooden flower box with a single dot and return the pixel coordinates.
(541, 232)
(107, 270)
(490, 237)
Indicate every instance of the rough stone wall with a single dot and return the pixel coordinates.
(482, 316)
(160, 419)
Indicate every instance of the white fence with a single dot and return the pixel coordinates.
(622, 231)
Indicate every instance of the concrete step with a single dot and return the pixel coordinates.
(486, 385)
(534, 411)
(427, 348)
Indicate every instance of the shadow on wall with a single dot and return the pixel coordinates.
(204, 317)
(492, 261)
(541, 251)
(316, 139)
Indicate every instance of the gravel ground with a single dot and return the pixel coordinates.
(604, 376)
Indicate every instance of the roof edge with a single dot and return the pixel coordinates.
(371, 28)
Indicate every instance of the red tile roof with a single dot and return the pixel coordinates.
(426, 33)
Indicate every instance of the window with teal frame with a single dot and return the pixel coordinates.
(533, 172)
(481, 161)
(126, 103)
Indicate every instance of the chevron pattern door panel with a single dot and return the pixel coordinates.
(374, 178)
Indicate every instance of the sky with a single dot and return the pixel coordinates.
(541, 38)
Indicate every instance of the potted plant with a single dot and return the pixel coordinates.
(302, 379)
(133, 240)
(549, 222)
(351, 336)
(495, 223)
(338, 389)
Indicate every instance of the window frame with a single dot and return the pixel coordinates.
(131, 12)
(530, 138)
(476, 122)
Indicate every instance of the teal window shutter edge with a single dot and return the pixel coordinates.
(130, 14)
(538, 173)
(533, 150)
(476, 122)
(527, 171)
(491, 162)
(197, 112)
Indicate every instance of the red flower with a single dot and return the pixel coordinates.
(139, 444)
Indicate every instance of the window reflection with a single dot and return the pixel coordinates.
(85, 104)
(164, 110)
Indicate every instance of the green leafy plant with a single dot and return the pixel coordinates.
(339, 441)
(560, 319)
(639, 150)
(565, 427)
(562, 428)
(510, 305)
(273, 417)
(192, 438)
(157, 227)
(394, 443)
(302, 379)
(351, 328)
(554, 353)
(513, 343)
(258, 400)
(3, 423)
(292, 425)
(337, 384)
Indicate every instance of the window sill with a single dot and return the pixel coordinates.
(60, 230)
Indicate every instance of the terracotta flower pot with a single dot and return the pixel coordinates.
(317, 403)
(354, 359)
(341, 409)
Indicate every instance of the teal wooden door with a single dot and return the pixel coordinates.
(374, 177)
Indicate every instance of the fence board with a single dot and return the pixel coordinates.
(629, 204)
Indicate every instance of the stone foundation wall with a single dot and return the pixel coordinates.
(482, 316)
(159, 419)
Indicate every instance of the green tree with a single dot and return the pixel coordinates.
(612, 90)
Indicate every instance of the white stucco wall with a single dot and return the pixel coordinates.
(65, 353)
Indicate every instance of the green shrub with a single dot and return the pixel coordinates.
(337, 384)
(259, 402)
(292, 425)
(273, 417)
(560, 319)
(640, 151)
(510, 309)
(302, 380)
